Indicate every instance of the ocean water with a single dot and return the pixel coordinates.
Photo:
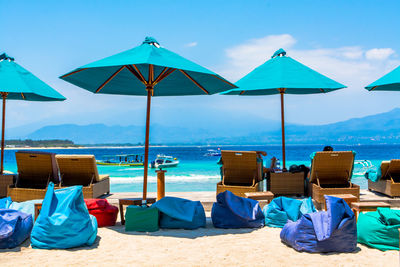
(197, 172)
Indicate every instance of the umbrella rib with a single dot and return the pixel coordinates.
(194, 81)
(75, 71)
(225, 81)
(373, 88)
(23, 97)
(109, 79)
(140, 74)
(133, 71)
(164, 75)
(241, 93)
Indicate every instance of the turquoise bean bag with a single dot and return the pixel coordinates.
(64, 221)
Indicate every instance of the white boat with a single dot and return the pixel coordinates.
(163, 161)
(213, 153)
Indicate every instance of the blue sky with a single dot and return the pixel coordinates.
(353, 42)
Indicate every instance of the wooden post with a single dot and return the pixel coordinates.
(282, 92)
(146, 144)
(160, 184)
(3, 123)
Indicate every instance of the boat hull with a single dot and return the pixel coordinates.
(120, 164)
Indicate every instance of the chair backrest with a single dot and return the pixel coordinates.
(332, 167)
(239, 167)
(390, 168)
(77, 169)
(36, 169)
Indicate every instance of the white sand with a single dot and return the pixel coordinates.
(209, 246)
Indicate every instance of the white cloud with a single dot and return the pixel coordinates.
(192, 44)
(379, 53)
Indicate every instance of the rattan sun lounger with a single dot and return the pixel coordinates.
(389, 183)
(241, 172)
(331, 172)
(35, 171)
(82, 170)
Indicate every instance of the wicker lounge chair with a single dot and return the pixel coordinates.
(389, 183)
(35, 171)
(241, 172)
(331, 172)
(82, 170)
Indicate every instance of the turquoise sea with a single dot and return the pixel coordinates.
(197, 172)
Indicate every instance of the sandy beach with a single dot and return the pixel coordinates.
(206, 246)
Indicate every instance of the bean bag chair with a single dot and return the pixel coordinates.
(179, 213)
(379, 229)
(26, 206)
(333, 230)
(231, 211)
(64, 221)
(282, 209)
(15, 227)
(105, 213)
(5, 202)
(142, 219)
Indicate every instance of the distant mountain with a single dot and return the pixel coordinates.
(379, 128)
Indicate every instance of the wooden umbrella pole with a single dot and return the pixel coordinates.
(146, 145)
(282, 92)
(3, 123)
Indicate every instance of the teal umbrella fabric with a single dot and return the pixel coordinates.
(147, 70)
(19, 84)
(389, 82)
(283, 75)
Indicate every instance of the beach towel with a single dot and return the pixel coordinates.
(179, 213)
(26, 206)
(284, 209)
(5, 202)
(333, 230)
(64, 221)
(379, 229)
(231, 211)
(106, 214)
(15, 227)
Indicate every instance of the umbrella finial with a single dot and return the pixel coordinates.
(5, 57)
(279, 52)
(151, 41)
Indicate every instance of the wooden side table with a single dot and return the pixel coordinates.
(38, 207)
(349, 198)
(358, 207)
(263, 198)
(131, 201)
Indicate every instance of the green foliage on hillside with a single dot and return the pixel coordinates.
(40, 143)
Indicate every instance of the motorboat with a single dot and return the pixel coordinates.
(213, 153)
(163, 161)
(123, 160)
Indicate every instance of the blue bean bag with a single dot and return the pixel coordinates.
(231, 211)
(26, 206)
(284, 209)
(179, 213)
(15, 227)
(64, 221)
(5, 202)
(333, 230)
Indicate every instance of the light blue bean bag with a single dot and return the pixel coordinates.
(15, 227)
(284, 209)
(26, 206)
(179, 213)
(64, 221)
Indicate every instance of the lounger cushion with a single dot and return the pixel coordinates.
(64, 221)
(179, 213)
(26, 206)
(15, 227)
(231, 211)
(379, 229)
(333, 230)
(141, 219)
(284, 209)
(105, 213)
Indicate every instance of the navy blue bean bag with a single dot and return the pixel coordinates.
(333, 230)
(179, 213)
(231, 211)
(15, 227)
